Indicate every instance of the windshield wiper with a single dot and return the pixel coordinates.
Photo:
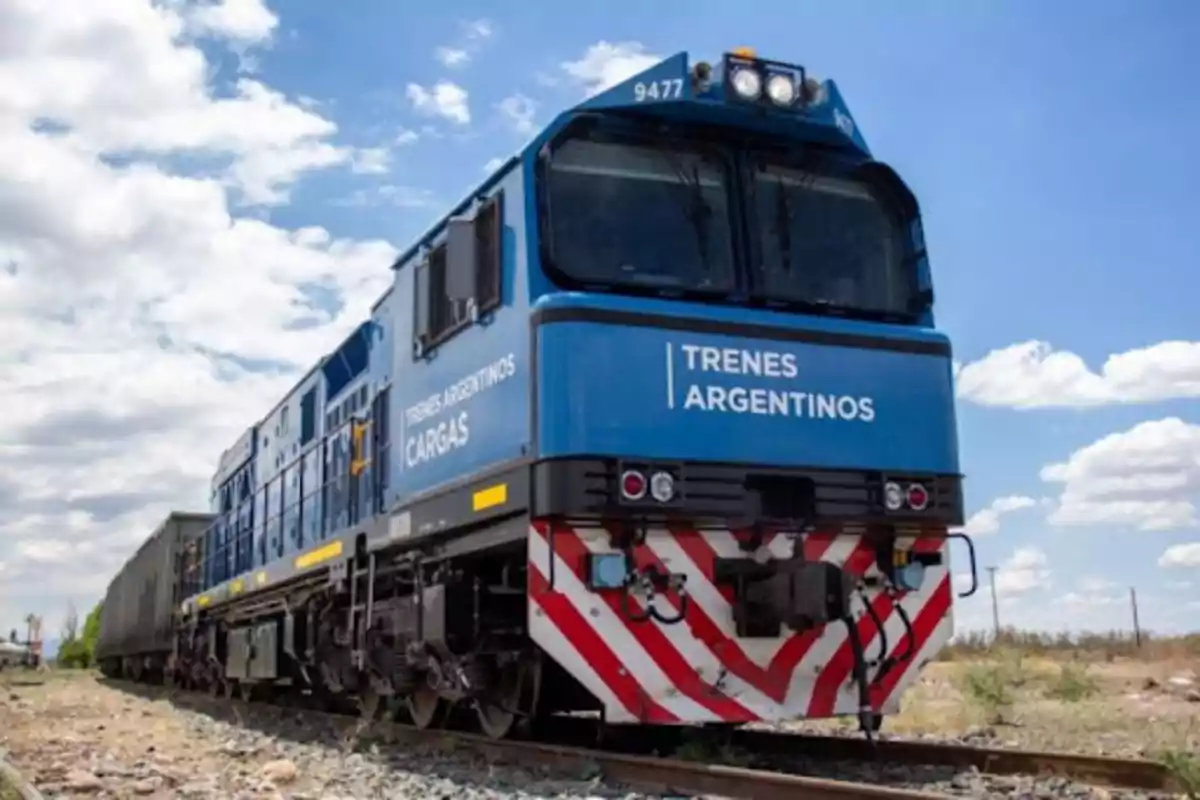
(696, 209)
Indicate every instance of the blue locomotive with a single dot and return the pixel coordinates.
(656, 422)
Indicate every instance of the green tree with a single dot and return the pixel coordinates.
(78, 650)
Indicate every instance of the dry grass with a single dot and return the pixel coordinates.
(1092, 693)
(8, 791)
(1040, 693)
(1086, 646)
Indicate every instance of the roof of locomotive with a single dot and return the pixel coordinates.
(697, 92)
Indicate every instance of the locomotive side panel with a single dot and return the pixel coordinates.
(460, 399)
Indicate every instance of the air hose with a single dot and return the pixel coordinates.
(865, 712)
(892, 660)
(883, 640)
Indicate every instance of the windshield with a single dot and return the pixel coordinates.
(827, 241)
(640, 215)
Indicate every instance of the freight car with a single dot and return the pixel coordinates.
(137, 617)
(656, 422)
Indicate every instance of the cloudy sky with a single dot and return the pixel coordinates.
(197, 199)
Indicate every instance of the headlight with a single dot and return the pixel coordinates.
(746, 82)
(781, 89)
(662, 487)
(893, 496)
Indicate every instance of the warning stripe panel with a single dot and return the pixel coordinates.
(699, 670)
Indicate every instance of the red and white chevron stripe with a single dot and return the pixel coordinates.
(699, 670)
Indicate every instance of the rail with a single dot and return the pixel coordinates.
(1099, 770)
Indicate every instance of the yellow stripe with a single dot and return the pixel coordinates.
(237, 586)
(260, 578)
(324, 553)
(492, 496)
(203, 600)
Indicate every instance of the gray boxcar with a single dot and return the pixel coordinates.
(135, 621)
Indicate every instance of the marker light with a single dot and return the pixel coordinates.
(662, 487)
(893, 496)
(781, 89)
(606, 570)
(910, 577)
(633, 485)
(918, 497)
(746, 82)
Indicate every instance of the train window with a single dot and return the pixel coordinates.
(460, 279)
(489, 231)
(283, 420)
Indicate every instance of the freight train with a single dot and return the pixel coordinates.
(655, 423)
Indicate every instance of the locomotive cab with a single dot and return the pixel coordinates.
(747, 466)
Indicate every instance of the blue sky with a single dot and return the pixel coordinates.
(1050, 147)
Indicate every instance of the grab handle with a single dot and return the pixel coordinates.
(974, 570)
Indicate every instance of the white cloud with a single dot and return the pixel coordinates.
(986, 521)
(1094, 592)
(372, 161)
(132, 293)
(1181, 555)
(446, 99)
(474, 34)
(519, 110)
(1146, 477)
(1025, 570)
(605, 64)
(478, 29)
(1033, 375)
(406, 137)
(493, 164)
(452, 56)
(391, 195)
(120, 78)
(240, 20)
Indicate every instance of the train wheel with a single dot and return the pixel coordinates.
(369, 705)
(426, 707)
(216, 682)
(514, 698)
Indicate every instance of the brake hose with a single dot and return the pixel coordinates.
(865, 712)
(893, 660)
(883, 640)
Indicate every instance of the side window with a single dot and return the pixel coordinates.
(460, 279)
(489, 231)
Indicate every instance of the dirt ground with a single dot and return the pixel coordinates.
(76, 736)
(1122, 708)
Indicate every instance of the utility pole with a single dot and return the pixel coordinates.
(1137, 629)
(995, 605)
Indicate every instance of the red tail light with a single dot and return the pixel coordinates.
(633, 485)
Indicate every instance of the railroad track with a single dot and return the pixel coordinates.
(1097, 770)
(768, 762)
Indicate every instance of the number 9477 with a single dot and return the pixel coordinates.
(669, 89)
